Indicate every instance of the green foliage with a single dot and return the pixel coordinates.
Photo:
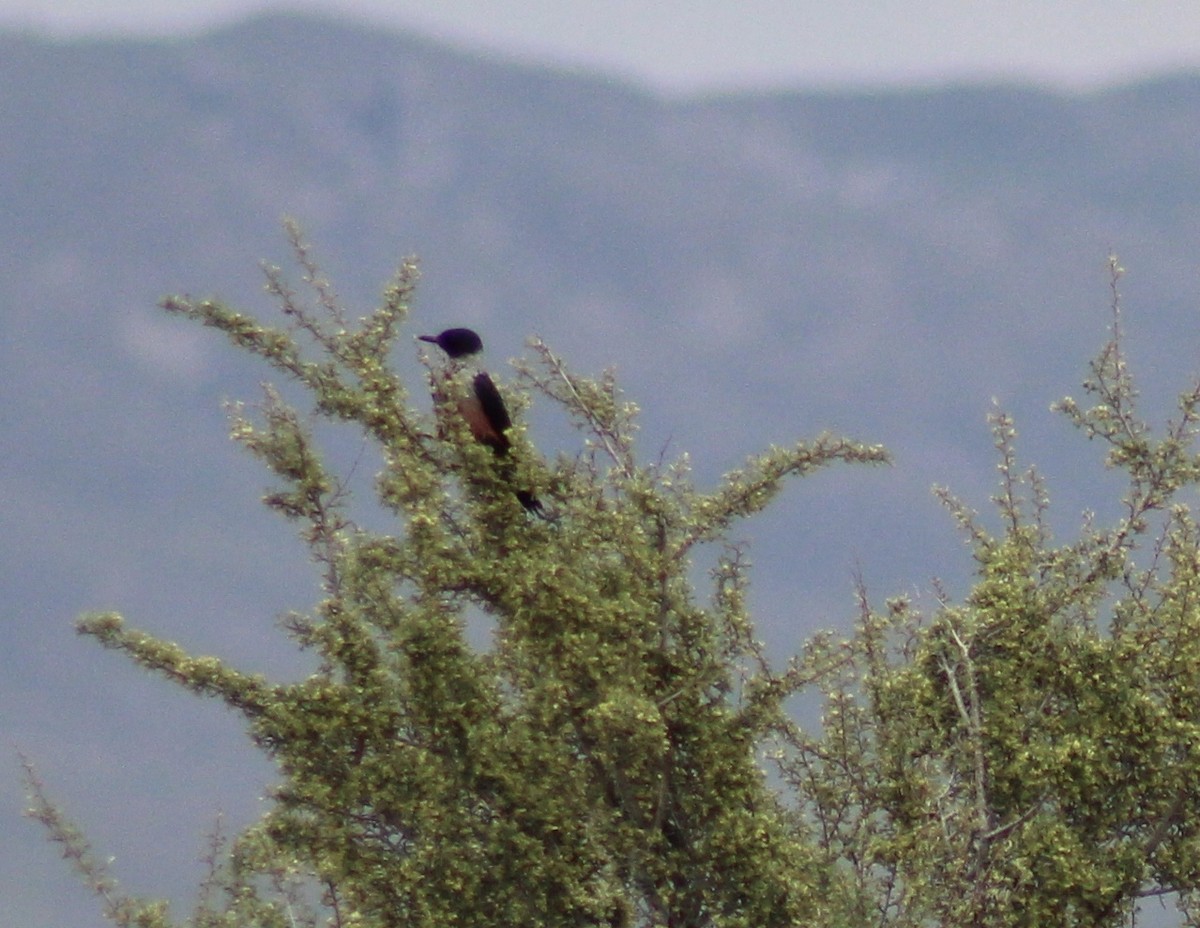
(597, 765)
(1027, 757)
(118, 908)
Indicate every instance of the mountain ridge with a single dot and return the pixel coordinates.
(758, 267)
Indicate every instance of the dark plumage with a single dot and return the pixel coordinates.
(483, 408)
(458, 343)
(495, 414)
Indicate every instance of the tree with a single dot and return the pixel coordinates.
(1030, 756)
(1025, 757)
(597, 765)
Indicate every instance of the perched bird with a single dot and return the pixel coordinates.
(483, 408)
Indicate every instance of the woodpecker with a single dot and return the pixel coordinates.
(483, 408)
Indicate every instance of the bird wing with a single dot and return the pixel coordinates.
(488, 416)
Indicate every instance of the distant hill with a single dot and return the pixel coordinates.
(758, 267)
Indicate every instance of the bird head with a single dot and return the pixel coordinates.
(457, 343)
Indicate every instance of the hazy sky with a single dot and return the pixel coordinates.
(690, 44)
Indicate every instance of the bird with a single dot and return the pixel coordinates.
(483, 407)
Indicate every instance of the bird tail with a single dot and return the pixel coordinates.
(532, 504)
(529, 502)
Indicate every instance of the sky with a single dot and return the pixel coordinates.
(690, 45)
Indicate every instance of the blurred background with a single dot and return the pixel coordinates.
(770, 218)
